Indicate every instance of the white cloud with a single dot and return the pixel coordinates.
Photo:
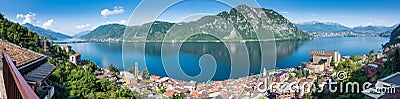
(116, 22)
(314, 14)
(285, 12)
(48, 23)
(117, 10)
(84, 26)
(28, 18)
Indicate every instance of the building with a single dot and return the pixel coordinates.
(278, 76)
(169, 93)
(305, 85)
(320, 61)
(24, 73)
(137, 74)
(75, 58)
(372, 71)
(391, 84)
(335, 54)
(128, 78)
(154, 78)
(313, 67)
(66, 48)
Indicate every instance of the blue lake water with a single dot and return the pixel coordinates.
(195, 58)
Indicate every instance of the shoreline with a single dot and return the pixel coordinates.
(197, 41)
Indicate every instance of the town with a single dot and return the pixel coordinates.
(323, 67)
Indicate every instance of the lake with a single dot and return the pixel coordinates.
(216, 60)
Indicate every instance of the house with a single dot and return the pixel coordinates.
(169, 93)
(363, 57)
(141, 88)
(128, 77)
(154, 78)
(151, 96)
(279, 76)
(75, 58)
(26, 69)
(285, 93)
(372, 71)
(385, 88)
(305, 85)
(320, 61)
(66, 48)
(379, 55)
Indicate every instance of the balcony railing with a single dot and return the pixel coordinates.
(15, 84)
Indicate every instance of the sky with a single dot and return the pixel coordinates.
(74, 16)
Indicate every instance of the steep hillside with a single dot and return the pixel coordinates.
(106, 31)
(394, 37)
(321, 27)
(19, 35)
(49, 34)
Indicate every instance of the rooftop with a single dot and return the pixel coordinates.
(41, 73)
(393, 79)
(77, 54)
(18, 54)
(162, 79)
(128, 75)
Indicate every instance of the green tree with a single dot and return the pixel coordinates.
(299, 74)
(113, 69)
(145, 74)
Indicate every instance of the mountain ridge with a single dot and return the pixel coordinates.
(49, 34)
(331, 27)
(79, 34)
(241, 20)
(394, 37)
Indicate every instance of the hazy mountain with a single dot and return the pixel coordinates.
(242, 21)
(49, 34)
(321, 27)
(394, 37)
(78, 35)
(386, 34)
(373, 29)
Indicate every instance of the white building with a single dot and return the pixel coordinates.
(75, 58)
(66, 48)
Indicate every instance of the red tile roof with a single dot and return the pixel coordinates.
(77, 54)
(370, 71)
(169, 93)
(21, 55)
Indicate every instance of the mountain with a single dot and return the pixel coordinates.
(78, 35)
(49, 34)
(394, 37)
(373, 29)
(106, 31)
(329, 27)
(385, 34)
(241, 22)
(19, 35)
(321, 27)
